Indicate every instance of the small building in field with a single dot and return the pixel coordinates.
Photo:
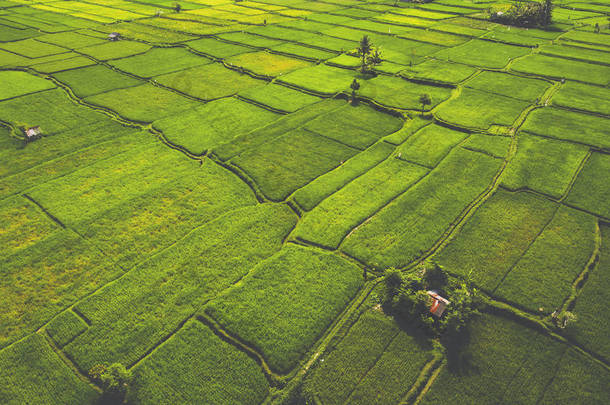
(114, 36)
(32, 133)
(438, 304)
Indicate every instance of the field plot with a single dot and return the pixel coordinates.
(502, 362)
(32, 372)
(478, 109)
(183, 277)
(211, 193)
(284, 326)
(202, 368)
(399, 233)
(375, 362)
(213, 124)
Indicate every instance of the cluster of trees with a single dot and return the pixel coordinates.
(525, 14)
(370, 56)
(114, 380)
(406, 296)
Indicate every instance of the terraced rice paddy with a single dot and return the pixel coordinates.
(209, 207)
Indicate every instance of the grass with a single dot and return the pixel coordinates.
(30, 372)
(30, 48)
(542, 278)
(216, 48)
(396, 92)
(144, 103)
(202, 368)
(65, 327)
(559, 68)
(73, 268)
(321, 79)
(88, 81)
(213, 124)
(496, 237)
(583, 97)
(19, 83)
(589, 191)
(337, 376)
(439, 71)
(283, 306)
(159, 61)
(399, 233)
(509, 85)
(357, 126)
(428, 146)
(338, 214)
(278, 176)
(500, 362)
(483, 53)
(494, 145)
(279, 97)
(569, 126)
(127, 320)
(544, 165)
(114, 50)
(590, 330)
(310, 195)
(267, 64)
(478, 109)
(226, 81)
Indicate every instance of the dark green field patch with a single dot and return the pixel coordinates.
(95, 79)
(144, 103)
(279, 97)
(593, 328)
(439, 71)
(226, 81)
(483, 53)
(502, 362)
(496, 146)
(322, 79)
(542, 278)
(428, 146)
(284, 305)
(410, 224)
(114, 50)
(159, 61)
(496, 236)
(310, 195)
(544, 165)
(285, 164)
(509, 85)
(213, 124)
(583, 97)
(330, 222)
(478, 109)
(563, 68)
(196, 366)
(16, 84)
(570, 126)
(31, 372)
(356, 126)
(65, 327)
(216, 48)
(590, 190)
(31, 48)
(133, 314)
(396, 92)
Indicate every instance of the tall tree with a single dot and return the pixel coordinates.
(364, 49)
(424, 100)
(354, 86)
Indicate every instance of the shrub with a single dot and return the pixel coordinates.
(114, 380)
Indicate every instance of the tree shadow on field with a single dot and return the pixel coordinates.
(460, 359)
(422, 339)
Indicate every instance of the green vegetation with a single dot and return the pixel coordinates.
(202, 367)
(30, 371)
(250, 310)
(199, 202)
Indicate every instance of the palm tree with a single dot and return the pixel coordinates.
(364, 49)
(424, 100)
(375, 58)
(354, 86)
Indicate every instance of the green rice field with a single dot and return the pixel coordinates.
(208, 195)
